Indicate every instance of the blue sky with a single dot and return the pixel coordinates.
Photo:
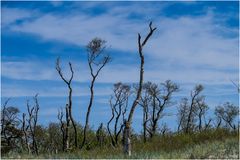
(196, 42)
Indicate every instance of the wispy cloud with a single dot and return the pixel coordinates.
(190, 41)
(12, 15)
(185, 49)
(50, 89)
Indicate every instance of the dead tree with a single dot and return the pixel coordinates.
(161, 99)
(32, 122)
(3, 117)
(25, 128)
(194, 98)
(201, 111)
(183, 111)
(63, 129)
(67, 127)
(68, 83)
(118, 104)
(154, 100)
(127, 141)
(227, 112)
(127, 147)
(144, 102)
(97, 59)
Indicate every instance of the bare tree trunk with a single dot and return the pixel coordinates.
(32, 122)
(145, 118)
(71, 117)
(88, 112)
(127, 141)
(200, 120)
(35, 123)
(116, 124)
(108, 126)
(67, 128)
(194, 94)
(60, 117)
(68, 82)
(24, 130)
(96, 49)
(154, 128)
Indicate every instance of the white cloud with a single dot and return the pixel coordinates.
(189, 41)
(185, 49)
(112, 73)
(11, 15)
(27, 71)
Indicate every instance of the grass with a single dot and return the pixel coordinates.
(216, 149)
(212, 144)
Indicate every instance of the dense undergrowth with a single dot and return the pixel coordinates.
(219, 143)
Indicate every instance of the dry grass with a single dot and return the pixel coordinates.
(210, 144)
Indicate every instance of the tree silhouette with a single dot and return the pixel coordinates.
(97, 59)
(69, 104)
(127, 141)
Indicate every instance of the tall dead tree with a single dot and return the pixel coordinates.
(193, 107)
(97, 59)
(118, 104)
(69, 104)
(32, 122)
(127, 128)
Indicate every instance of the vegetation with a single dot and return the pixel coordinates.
(210, 144)
(196, 136)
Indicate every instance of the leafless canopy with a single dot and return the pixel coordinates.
(118, 103)
(97, 59)
(141, 44)
(227, 112)
(32, 122)
(154, 100)
(69, 104)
